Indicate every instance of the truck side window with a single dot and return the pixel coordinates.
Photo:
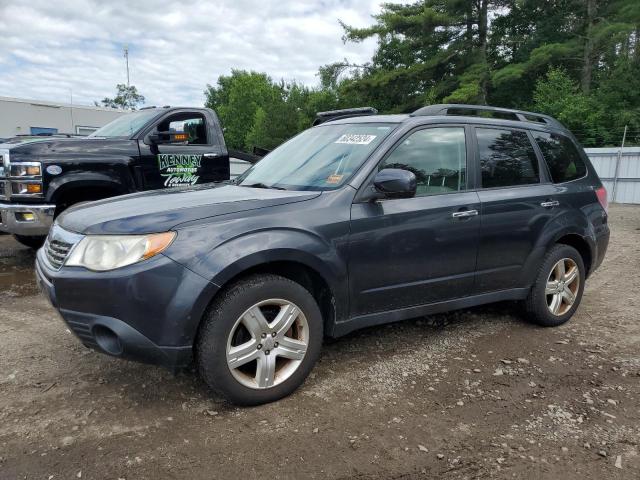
(507, 158)
(437, 157)
(562, 157)
(194, 125)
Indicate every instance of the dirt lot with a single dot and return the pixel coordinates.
(472, 394)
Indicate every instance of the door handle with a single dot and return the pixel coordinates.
(465, 213)
(550, 204)
(210, 155)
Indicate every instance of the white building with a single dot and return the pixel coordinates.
(32, 117)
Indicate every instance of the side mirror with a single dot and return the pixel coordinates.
(162, 138)
(395, 183)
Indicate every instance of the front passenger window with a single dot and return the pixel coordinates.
(194, 126)
(437, 157)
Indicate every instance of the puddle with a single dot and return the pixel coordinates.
(16, 269)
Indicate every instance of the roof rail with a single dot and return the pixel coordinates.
(322, 117)
(477, 110)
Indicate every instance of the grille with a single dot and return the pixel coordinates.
(57, 251)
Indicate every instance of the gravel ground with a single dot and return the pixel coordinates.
(472, 394)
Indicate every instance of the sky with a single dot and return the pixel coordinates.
(56, 49)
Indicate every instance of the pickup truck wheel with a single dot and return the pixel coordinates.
(558, 288)
(31, 242)
(259, 340)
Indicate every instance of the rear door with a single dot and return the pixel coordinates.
(517, 201)
(201, 159)
(420, 250)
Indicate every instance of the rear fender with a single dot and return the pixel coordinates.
(567, 223)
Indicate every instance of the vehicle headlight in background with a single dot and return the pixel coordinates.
(26, 188)
(108, 252)
(31, 169)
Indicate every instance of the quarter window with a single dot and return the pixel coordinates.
(437, 157)
(562, 157)
(507, 158)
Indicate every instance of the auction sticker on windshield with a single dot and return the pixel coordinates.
(356, 139)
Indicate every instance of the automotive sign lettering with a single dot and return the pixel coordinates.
(179, 170)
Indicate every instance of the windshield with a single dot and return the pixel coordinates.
(126, 125)
(321, 158)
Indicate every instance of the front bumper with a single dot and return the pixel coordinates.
(147, 312)
(13, 220)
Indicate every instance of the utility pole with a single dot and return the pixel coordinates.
(126, 57)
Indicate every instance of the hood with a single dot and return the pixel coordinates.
(65, 147)
(162, 210)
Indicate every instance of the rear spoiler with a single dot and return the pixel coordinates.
(322, 117)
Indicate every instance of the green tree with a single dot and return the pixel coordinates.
(236, 98)
(126, 98)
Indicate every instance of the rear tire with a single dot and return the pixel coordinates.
(558, 287)
(254, 322)
(31, 242)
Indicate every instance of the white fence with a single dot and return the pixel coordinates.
(619, 171)
(238, 167)
(625, 185)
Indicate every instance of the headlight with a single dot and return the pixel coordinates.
(26, 188)
(30, 169)
(108, 252)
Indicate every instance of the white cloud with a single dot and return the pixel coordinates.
(50, 48)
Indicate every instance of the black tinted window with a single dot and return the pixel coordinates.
(562, 157)
(437, 157)
(507, 158)
(192, 125)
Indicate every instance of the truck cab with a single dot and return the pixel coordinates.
(153, 148)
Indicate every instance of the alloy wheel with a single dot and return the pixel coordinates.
(267, 343)
(562, 286)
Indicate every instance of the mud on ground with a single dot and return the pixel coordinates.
(472, 394)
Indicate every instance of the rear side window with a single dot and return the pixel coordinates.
(507, 158)
(562, 157)
(437, 157)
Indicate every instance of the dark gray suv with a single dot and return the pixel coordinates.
(362, 220)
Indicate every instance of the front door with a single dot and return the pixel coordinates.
(414, 251)
(198, 160)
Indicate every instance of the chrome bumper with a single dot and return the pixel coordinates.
(13, 220)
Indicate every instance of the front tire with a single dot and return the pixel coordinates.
(260, 340)
(31, 242)
(558, 288)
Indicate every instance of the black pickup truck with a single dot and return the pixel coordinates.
(149, 149)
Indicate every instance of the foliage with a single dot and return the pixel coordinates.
(256, 111)
(578, 60)
(126, 98)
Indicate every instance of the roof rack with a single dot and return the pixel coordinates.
(493, 112)
(322, 117)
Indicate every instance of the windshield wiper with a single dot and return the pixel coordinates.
(263, 185)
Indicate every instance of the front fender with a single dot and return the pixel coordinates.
(114, 180)
(239, 254)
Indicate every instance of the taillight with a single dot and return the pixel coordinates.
(601, 193)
